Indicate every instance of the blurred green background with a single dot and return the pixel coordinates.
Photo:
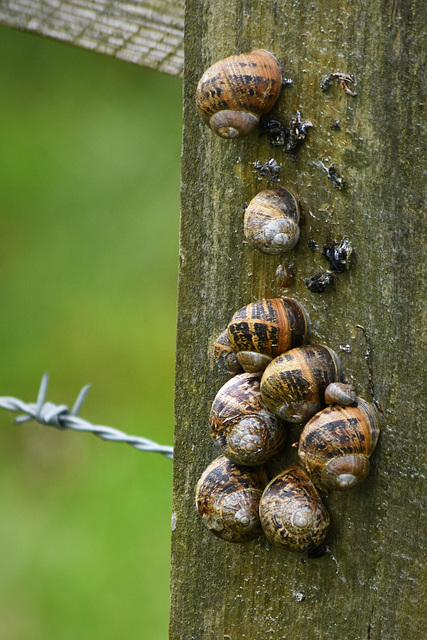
(89, 174)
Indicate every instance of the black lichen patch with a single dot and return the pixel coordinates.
(289, 137)
(319, 282)
(269, 169)
(338, 181)
(275, 132)
(339, 255)
(343, 79)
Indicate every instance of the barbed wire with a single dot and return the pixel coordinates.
(59, 416)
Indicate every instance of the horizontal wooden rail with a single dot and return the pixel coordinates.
(146, 32)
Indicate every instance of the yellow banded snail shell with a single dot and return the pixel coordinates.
(271, 221)
(335, 445)
(260, 331)
(233, 93)
(292, 513)
(340, 393)
(241, 425)
(224, 354)
(293, 384)
(227, 499)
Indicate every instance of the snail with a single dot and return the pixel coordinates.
(340, 393)
(260, 331)
(224, 354)
(285, 275)
(335, 445)
(241, 426)
(293, 384)
(233, 93)
(292, 513)
(227, 499)
(271, 221)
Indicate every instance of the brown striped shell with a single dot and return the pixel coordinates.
(285, 275)
(227, 499)
(260, 331)
(340, 393)
(233, 93)
(241, 425)
(271, 221)
(292, 513)
(224, 355)
(335, 445)
(293, 384)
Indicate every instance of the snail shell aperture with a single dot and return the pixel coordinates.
(227, 499)
(241, 425)
(292, 513)
(271, 221)
(234, 92)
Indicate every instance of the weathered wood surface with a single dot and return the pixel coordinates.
(371, 582)
(146, 32)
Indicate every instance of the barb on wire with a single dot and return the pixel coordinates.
(60, 417)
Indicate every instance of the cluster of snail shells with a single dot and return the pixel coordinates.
(284, 380)
(278, 377)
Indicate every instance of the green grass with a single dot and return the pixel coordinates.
(89, 207)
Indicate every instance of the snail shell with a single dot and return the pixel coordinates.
(224, 354)
(233, 93)
(293, 384)
(285, 275)
(241, 425)
(335, 445)
(262, 330)
(292, 513)
(340, 393)
(227, 499)
(271, 221)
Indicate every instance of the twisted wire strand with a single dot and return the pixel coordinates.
(60, 417)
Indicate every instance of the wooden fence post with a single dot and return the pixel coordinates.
(370, 584)
(371, 581)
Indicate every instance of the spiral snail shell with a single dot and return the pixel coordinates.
(271, 221)
(285, 275)
(234, 92)
(260, 331)
(227, 499)
(293, 384)
(224, 354)
(241, 426)
(335, 445)
(292, 513)
(340, 393)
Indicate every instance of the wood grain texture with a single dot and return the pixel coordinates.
(371, 582)
(147, 32)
